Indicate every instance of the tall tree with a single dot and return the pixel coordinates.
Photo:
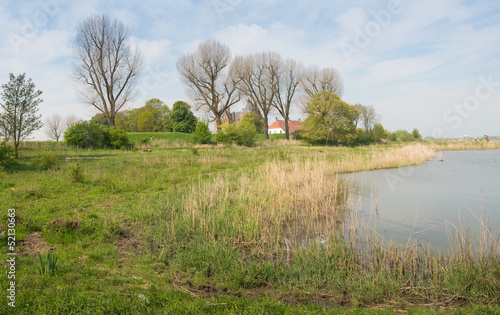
(107, 67)
(368, 116)
(258, 77)
(20, 106)
(288, 84)
(208, 79)
(316, 79)
(54, 126)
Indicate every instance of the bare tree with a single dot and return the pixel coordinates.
(54, 126)
(288, 84)
(258, 76)
(71, 120)
(107, 68)
(209, 81)
(315, 80)
(367, 116)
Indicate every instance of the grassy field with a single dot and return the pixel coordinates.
(212, 229)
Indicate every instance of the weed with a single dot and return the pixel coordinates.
(47, 264)
(75, 173)
(49, 160)
(194, 151)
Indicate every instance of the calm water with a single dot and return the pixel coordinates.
(428, 200)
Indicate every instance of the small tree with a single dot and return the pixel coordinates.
(202, 133)
(379, 132)
(20, 106)
(416, 134)
(54, 126)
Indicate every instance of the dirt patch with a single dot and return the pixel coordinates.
(128, 244)
(33, 245)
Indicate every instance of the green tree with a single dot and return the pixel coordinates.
(330, 120)
(149, 118)
(379, 132)
(202, 132)
(20, 106)
(416, 134)
(181, 118)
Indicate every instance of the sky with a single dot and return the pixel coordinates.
(433, 65)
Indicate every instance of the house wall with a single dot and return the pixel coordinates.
(276, 130)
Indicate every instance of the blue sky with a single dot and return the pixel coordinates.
(431, 65)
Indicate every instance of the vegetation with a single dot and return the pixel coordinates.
(202, 134)
(212, 232)
(181, 119)
(88, 134)
(241, 133)
(20, 107)
(149, 118)
(329, 120)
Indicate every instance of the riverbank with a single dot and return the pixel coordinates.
(221, 230)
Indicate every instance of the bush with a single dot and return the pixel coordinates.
(87, 134)
(75, 173)
(202, 133)
(118, 138)
(7, 154)
(49, 160)
(228, 134)
(247, 130)
(144, 140)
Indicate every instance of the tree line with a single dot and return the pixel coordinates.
(107, 68)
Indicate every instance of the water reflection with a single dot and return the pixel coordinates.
(430, 201)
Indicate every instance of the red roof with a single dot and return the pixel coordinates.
(293, 125)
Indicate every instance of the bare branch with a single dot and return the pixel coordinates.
(208, 78)
(54, 126)
(107, 69)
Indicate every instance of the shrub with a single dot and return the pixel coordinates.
(228, 134)
(75, 173)
(7, 154)
(247, 130)
(144, 140)
(118, 138)
(86, 134)
(49, 160)
(202, 133)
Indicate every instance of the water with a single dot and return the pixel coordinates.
(430, 201)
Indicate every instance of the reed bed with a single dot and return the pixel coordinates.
(464, 145)
(299, 213)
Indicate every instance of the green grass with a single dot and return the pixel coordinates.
(171, 231)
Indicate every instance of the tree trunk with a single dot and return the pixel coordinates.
(218, 123)
(287, 129)
(111, 121)
(266, 129)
